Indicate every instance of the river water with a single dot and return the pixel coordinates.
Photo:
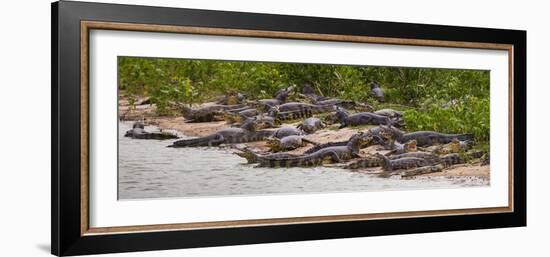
(148, 169)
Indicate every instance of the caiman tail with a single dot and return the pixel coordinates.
(212, 140)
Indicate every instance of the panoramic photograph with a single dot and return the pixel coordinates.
(214, 128)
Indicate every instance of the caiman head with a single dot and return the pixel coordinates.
(186, 111)
(330, 119)
(138, 124)
(341, 114)
(249, 155)
(274, 144)
(265, 122)
(251, 124)
(359, 141)
(232, 98)
(273, 111)
(455, 146)
(231, 117)
(390, 132)
(386, 161)
(410, 146)
(307, 89)
(283, 94)
(291, 89)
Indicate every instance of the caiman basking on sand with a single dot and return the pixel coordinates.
(397, 148)
(246, 133)
(347, 104)
(311, 125)
(373, 141)
(403, 163)
(334, 154)
(208, 113)
(287, 143)
(309, 93)
(455, 146)
(287, 131)
(362, 118)
(395, 116)
(232, 97)
(423, 138)
(264, 121)
(138, 132)
(239, 116)
(313, 108)
(389, 113)
(365, 162)
(288, 116)
(280, 98)
(253, 157)
(374, 161)
(427, 138)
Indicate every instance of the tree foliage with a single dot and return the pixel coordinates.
(445, 100)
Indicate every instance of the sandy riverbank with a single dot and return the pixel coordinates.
(329, 134)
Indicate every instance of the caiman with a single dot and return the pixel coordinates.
(138, 132)
(207, 113)
(287, 131)
(458, 158)
(280, 98)
(389, 113)
(287, 143)
(423, 155)
(395, 116)
(403, 163)
(386, 132)
(265, 121)
(246, 133)
(362, 118)
(373, 161)
(288, 116)
(309, 93)
(423, 138)
(252, 157)
(455, 146)
(398, 148)
(365, 162)
(240, 116)
(427, 138)
(347, 104)
(311, 125)
(372, 141)
(334, 154)
(232, 97)
(313, 108)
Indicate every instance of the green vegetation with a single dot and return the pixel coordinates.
(444, 100)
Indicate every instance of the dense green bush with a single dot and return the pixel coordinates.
(467, 115)
(444, 100)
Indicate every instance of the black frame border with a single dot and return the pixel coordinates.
(66, 236)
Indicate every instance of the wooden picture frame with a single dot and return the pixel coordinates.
(71, 24)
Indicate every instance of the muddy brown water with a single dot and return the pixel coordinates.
(148, 169)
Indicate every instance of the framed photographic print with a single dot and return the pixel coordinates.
(178, 128)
